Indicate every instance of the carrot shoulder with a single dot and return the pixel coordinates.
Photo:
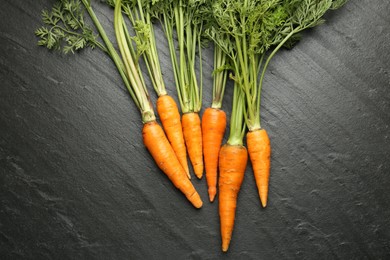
(259, 149)
(193, 138)
(213, 130)
(170, 119)
(232, 164)
(163, 154)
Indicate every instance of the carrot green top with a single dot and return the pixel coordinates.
(66, 30)
(131, 65)
(237, 123)
(221, 65)
(247, 30)
(140, 14)
(188, 18)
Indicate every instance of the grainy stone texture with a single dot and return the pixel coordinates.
(77, 183)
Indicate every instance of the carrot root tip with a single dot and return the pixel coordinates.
(198, 169)
(263, 193)
(225, 247)
(264, 203)
(212, 193)
(196, 200)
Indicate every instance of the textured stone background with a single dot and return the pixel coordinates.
(77, 183)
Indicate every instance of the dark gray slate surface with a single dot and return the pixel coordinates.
(77, 183)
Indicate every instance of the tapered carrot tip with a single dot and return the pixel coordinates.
(196, 200)
(263, 193)
(188, 173)
(225, 246)
(212, 193)
(198, 169)
(259, 149)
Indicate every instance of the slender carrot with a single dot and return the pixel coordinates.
(214, 122)
(259, 149)
(232, 164)
(153, 135)
(233, 158)
(213, 130)
(128, 68)
(251, 39)
(163, 154)
(170, 119)
(140, 15)
(193, 138)
(188, 19)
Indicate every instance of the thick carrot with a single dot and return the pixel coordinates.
(213, 129)
(193, 138)
(259, 149)
(163, 154)
(170, 119)
(232, 164)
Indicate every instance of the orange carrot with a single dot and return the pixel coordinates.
(259, 149)
(232, 164)
(193, 138)
(213, 129)
(163, 154)
(170, 119)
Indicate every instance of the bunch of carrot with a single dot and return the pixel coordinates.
(250, 32)
(246, 35)
(68, 32)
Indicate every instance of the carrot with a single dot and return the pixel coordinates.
(214, 121)
(184, 25)
(213, 130)
(233, 158)
(129, 69)
(193, 138)
(153, 136)
(259, 149)
(232, 164)
(170, 119)
(252, 48)
(168, 112)
(158, 145)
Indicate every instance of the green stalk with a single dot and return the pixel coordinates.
(237, 123)
(257, 125)
(220, 77)
(111, 51)
(133, 53)
(183, 75)
(241, 71)
(131, 68)
(188, 37)
(168, 29)
(199, 95)
(151, 55)
(153, 59)
(137, 12)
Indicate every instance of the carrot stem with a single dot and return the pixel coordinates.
(133, 71)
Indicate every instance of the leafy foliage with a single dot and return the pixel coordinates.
(65, 28)
(188, 21)
(250, 32)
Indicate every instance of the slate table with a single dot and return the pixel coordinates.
(77, 183)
